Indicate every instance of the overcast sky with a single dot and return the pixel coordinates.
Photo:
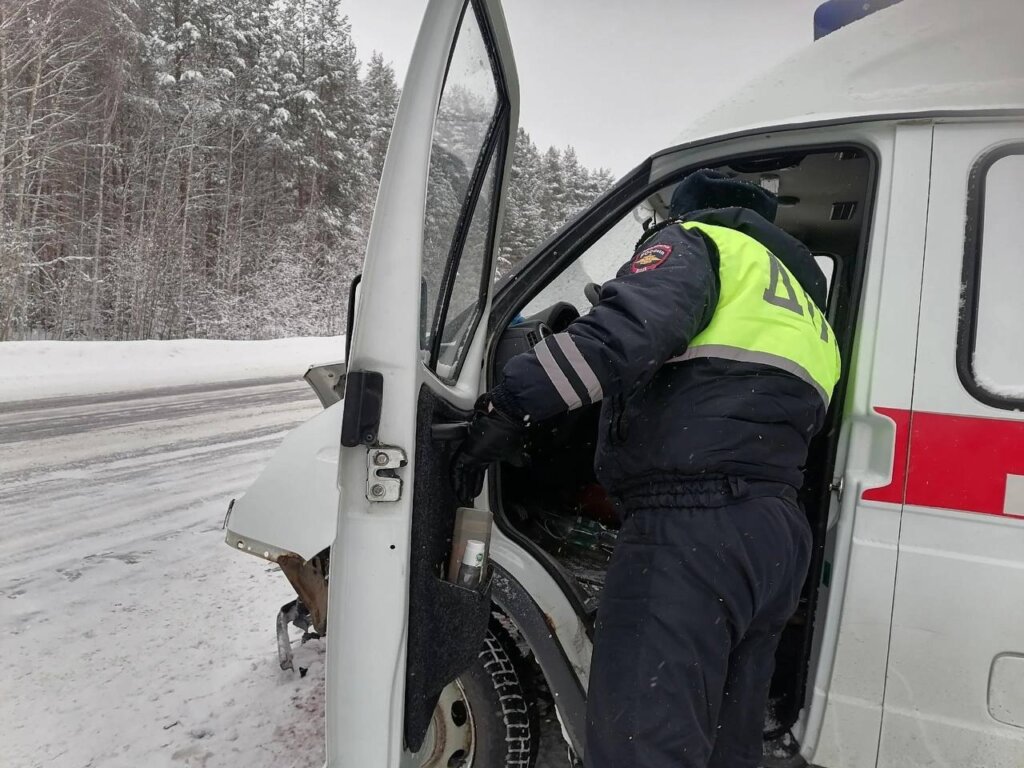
(617, 79)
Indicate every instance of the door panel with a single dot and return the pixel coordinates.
(845, 715)
(426, 274)
(957, 614)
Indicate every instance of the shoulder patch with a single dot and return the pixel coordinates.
(650, 258)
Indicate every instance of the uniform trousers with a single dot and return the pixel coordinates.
(698, 591)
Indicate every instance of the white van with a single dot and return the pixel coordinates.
(896, 146)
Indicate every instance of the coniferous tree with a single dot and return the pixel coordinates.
(524, 214)
(208, 168)
(380, 98)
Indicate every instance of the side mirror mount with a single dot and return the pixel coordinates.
(327, 381)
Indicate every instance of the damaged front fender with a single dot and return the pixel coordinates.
(292, 507)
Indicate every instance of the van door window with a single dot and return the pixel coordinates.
(991, 348)
(465, 296)
(464, 163)
(827, 264)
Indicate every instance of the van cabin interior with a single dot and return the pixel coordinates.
(555, 506)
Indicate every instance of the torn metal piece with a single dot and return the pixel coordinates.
(309, 580)
(287, 614)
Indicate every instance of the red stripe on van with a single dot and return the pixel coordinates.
(955, 462)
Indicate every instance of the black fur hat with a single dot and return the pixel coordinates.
(712, 189)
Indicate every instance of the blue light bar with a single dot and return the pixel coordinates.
(834, 14)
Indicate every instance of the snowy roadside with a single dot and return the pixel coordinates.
(131, 634)
(32, 370)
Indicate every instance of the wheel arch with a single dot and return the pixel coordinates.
(539, 633)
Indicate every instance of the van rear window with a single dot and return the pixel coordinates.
(991, 344)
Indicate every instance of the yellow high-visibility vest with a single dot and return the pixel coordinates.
(764, 315)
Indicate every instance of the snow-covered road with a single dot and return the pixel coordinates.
(129, 633)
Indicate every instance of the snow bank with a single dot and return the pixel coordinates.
(40, 369)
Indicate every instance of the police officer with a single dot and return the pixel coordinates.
(714, 365)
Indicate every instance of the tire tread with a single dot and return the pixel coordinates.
(515, 710)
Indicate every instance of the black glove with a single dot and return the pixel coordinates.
(492, 437)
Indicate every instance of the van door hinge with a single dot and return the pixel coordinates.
(836, 486)
(382, 482)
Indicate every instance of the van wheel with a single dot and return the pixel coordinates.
(484, 719)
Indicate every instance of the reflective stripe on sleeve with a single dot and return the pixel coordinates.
(580, 366)
(557, 377)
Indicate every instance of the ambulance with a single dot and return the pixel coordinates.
(896, 147)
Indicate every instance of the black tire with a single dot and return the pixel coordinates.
(505, 725)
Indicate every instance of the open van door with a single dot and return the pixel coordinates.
(397, 632)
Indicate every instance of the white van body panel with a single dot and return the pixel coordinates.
(916, 57)
(292, 506)
(845, 712)
(958, 624)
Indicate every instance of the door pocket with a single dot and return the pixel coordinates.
(450, 623)
(447, 623)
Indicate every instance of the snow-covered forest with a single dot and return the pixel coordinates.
(205, 168)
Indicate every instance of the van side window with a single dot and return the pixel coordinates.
(466, 158)
(990, 354)
(827, 264)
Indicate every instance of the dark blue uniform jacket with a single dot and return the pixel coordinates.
(663, 425)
